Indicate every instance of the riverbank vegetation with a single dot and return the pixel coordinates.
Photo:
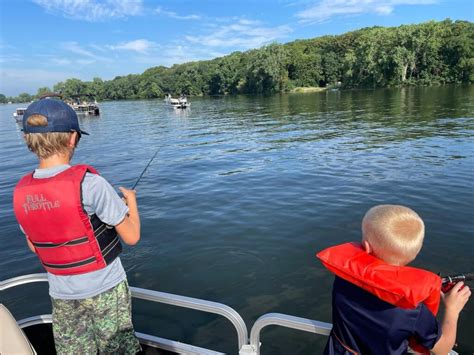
(430, 53)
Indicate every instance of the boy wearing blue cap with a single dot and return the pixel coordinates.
(73, 220)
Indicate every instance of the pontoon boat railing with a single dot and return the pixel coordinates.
(146, 339)
(154, 296)
(252, 348)
(284, 320)
(197, 304)
(246, 347)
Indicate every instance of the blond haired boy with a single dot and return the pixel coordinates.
(380, 305)
(74, 220)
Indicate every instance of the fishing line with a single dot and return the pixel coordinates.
(146, 167)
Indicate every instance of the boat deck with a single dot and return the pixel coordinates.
(39, 330)
(244, 344)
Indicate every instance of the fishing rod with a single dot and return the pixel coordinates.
(448, 282)
(146, 167)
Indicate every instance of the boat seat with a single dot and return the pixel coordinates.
(12, 338)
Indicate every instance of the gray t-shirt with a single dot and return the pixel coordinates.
(98, 197)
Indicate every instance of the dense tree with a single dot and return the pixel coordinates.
(266, 71)
(97, 88)
(423, 54)
(304, 64)
(25, 97)
(71, 88)
(43, 91)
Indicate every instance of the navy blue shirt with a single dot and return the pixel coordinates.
(368, 325)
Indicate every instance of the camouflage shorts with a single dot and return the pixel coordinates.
(100, 324)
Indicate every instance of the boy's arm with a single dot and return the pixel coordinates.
(30, 245)
(129, 228)
(454, 302)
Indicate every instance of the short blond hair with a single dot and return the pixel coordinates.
(45, 145)
(395, 233)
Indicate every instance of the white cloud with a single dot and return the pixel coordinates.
(68, 62)
(97, 47)
(243, 34)
(15, 81)
(61, 61)
(172, 14)
(10, 58)
(76, 48)
(325, 9)
(9, 54)
(139, 45)
(82, 56)
(85, 61)
(92, 10)
(65, 55)
(174, 53)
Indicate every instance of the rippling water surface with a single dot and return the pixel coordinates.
(244, 190)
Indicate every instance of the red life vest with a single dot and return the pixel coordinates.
(401, 286)
(66, 239)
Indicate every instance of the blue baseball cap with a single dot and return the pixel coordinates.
(61, 117)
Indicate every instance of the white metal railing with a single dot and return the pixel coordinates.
(197, 304)
(21, 280)
(154, 296)
(246, 346)
(146, 339)
(284, 320)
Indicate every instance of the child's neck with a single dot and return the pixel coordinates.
(53, 161)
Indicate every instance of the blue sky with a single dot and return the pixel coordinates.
(43, 42)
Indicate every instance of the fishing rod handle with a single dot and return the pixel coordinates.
(455, 278)
(448, 282)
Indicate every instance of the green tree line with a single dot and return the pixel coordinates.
(421, 54)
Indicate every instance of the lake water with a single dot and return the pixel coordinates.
(245, 190)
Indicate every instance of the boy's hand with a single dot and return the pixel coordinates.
(456, 298)
(129, 228)
(128, 194)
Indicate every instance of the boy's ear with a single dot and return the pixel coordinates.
(72, 140)
(367, 247)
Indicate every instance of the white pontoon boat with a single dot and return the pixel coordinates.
(179, 103)
(18, 114)
(86, 108)
(77, 103)
(83, 107)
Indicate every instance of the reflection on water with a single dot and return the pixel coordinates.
(245, 190)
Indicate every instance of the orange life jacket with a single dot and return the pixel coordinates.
(66, 239)
(401, 286)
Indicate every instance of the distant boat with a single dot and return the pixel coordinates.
(77, 103)
(179, 103)
(83, 107)
(18, 114)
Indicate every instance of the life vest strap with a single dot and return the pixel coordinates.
(98, 231)
(109, 247)
(107, 237)
(71, 265)
(57, 245)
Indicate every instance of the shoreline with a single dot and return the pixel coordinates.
(307, 89)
